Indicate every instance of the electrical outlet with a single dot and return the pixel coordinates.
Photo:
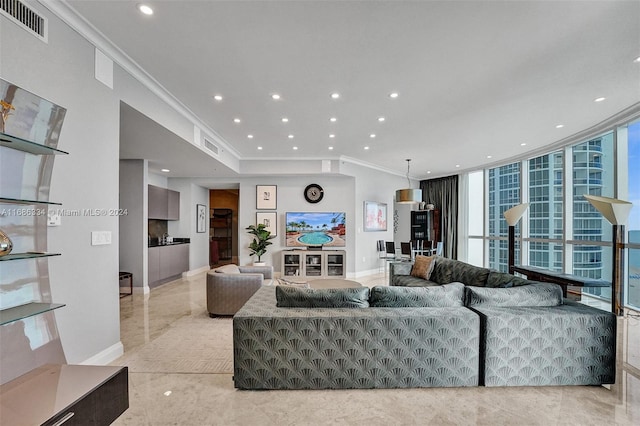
(100, 238)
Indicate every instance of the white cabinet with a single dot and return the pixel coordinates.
(314, 264)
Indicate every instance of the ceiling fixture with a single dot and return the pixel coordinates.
(330, 148)
(408, 195)
(393, 95)
(559, 126)
(295, 148)
(372, 135)
(145, 9)
(285, 120)
(333, 119)
(259, 148)
(218, 98)
(275, 97)
(599, 99)
(290, 136)
(236, 120)
(489, 156)
(637, 60)
(457, 165)
(332, 136)
(523, 144)
(335, 95)
(366, 148)
(166, 170)
(381, 119)
(250, 136)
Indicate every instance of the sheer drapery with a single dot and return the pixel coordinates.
(443, 194)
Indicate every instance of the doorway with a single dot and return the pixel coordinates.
(223, 226)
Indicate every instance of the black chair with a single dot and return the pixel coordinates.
(405, 251)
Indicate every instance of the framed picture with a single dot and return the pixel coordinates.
(375, 216)
(269, 220)
(201, 218)
(266, 197)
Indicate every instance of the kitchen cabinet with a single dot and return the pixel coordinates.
(167, 263)
(163, 203)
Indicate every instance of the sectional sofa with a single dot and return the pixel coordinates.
(511, 332)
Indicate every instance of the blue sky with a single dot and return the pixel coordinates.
(634, 175)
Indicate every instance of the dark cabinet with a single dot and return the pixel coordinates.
(425, 225)
(163, 203)
(221, 232)
(167, 263)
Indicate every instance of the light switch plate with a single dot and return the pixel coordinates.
(54, 218)
(100, 238)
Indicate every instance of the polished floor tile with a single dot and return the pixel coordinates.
(180, 374)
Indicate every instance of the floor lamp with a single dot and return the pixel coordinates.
(512, 216)
(616, 212)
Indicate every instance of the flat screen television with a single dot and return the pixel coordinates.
(316, 229)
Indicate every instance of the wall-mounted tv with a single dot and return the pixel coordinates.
(316, 229)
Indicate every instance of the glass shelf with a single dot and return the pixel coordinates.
(27, 310)
(27, 146)
(18, 256)
(19, 201)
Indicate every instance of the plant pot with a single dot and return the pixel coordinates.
(259, 263)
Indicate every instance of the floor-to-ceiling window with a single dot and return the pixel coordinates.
(504, 193)
(633, 146)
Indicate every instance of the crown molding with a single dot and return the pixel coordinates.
(79, 23)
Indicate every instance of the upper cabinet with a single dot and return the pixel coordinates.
(163, 203)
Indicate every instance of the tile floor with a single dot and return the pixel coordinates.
(167, 334)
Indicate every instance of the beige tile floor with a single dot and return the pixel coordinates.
(178, 376)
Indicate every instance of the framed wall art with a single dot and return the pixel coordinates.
(266, 197)
(201, 218)
(269, 220)
(375, 216)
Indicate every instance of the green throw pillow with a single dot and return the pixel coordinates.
(442, 296)
(294, 297)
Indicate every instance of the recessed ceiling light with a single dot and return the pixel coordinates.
(523, 144)
(236, 120)
(393, 95)
(330, 148)
(166, 170)
(366, 148)
(290, 136)
(333, 119)
(335, 95)
(145, 9)
(428, 172)
(457, 165)
(218, 98)
(275, 97)
(381, 119)
(637, 60)
(285, 120)
(489, 156)
(250, 136)
(295, 148)
(559, 126)
(332, 136)
(599, 99)
(372, 135)
(259, 148)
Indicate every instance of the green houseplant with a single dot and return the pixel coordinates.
(260, 241)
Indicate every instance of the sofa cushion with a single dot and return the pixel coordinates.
(502, 279)
(446, 271)
(444, 296)
(409, 281)
(228, 269)
(536, 294)
(422, 267)
(294, 297)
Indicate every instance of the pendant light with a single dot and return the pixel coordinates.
(409, 195)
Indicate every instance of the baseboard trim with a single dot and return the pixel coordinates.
(106, 356)
(196, 271)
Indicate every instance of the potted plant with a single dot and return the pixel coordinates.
(260, 241)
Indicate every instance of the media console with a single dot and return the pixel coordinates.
(314, 264)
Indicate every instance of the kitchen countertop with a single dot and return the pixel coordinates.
(175, 242)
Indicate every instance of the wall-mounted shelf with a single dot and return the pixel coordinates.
(28, 146)
(19, 201)
(27, 310)
(18, 256)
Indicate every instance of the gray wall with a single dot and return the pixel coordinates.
(133, 226)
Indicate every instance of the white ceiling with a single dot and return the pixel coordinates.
(475, 78)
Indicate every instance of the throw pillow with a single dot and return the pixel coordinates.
(536, 294)
(422, 267)
(443, 296)
(294, 297)
(228, 269)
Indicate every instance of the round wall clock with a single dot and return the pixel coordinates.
(313, 193)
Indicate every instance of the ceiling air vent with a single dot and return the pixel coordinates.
(26, 17)
(210, 146)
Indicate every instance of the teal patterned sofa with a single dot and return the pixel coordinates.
(342, 348)
(507, 332)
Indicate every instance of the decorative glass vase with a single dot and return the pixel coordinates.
(5, 244)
